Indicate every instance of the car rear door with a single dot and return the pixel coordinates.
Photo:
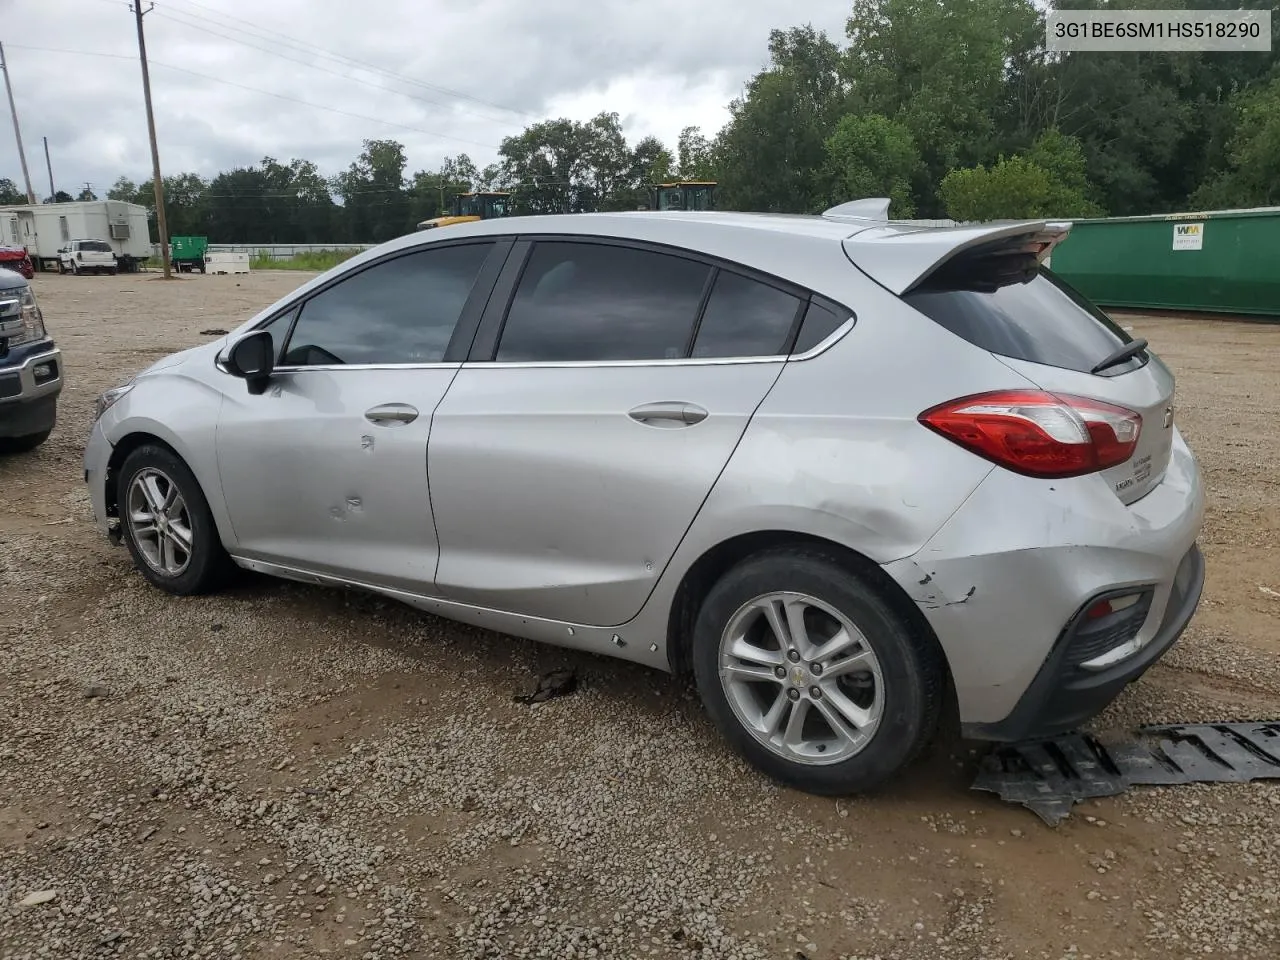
(607, 388)
(327, 469)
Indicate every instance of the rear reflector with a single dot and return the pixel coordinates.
(1037, 433)
(1104, 608)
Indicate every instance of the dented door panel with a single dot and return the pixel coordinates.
(328, 469)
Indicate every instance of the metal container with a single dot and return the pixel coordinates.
(1222, 261)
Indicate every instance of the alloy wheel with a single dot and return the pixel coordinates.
(801, 678)
(160, 522)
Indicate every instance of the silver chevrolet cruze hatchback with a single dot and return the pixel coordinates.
(848, 472)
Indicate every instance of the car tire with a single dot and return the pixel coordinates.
(154, 473)
(24, 444)
(890, 677)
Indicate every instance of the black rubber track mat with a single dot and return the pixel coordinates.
(1049, 776)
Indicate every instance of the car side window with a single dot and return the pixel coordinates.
(818, 324)
(398, 311)
(745, 318)
(600, 302)
(278, 327)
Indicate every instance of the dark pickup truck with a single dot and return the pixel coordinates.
(30, 368)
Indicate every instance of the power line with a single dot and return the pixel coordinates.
(268, 93)
(313, 48)
(170, 15)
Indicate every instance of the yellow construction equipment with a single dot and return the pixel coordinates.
(683, 195)
(469, 207)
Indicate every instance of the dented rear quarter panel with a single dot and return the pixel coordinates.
(1000, 580)
(835, 450)
(837, 440)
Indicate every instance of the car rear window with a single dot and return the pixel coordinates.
(1042, 320)
(97, 246)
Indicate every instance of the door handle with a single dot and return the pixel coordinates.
(669, 413)
(391, 414)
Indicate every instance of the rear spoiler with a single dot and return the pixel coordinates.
(901, 257)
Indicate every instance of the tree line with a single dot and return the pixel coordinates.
(952, 109)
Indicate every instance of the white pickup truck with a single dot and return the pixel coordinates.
(87, 256)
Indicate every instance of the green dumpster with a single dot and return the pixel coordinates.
(188, 253)
(1222, 261)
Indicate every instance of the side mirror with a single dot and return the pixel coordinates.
(252, 358)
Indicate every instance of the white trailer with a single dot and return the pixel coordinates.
(45, 228)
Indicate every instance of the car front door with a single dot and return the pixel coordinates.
(326, 469)
(607, 388)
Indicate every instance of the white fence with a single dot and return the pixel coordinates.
(276, 251)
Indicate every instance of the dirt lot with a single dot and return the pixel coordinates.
(285, 771)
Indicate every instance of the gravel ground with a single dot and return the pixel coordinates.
(285, 771)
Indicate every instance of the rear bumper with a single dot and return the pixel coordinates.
(1063, 696)
(1005, 582)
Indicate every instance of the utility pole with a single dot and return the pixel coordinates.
(49, 165)
(161, 227)
(17, 131)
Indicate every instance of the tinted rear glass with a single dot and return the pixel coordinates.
(97, 246)
(818, 324)
(745, 318)
(595, 302)
(1041, 321)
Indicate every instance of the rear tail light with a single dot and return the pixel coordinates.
(1037, 433)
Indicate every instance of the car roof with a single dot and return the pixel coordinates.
(804, 250)
(692, 224)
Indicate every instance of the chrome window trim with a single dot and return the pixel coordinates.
(331, 367)
(822, 346)
(659, 362)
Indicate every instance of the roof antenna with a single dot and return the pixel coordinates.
(870, 208)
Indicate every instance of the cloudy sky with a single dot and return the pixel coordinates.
(235, 80)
